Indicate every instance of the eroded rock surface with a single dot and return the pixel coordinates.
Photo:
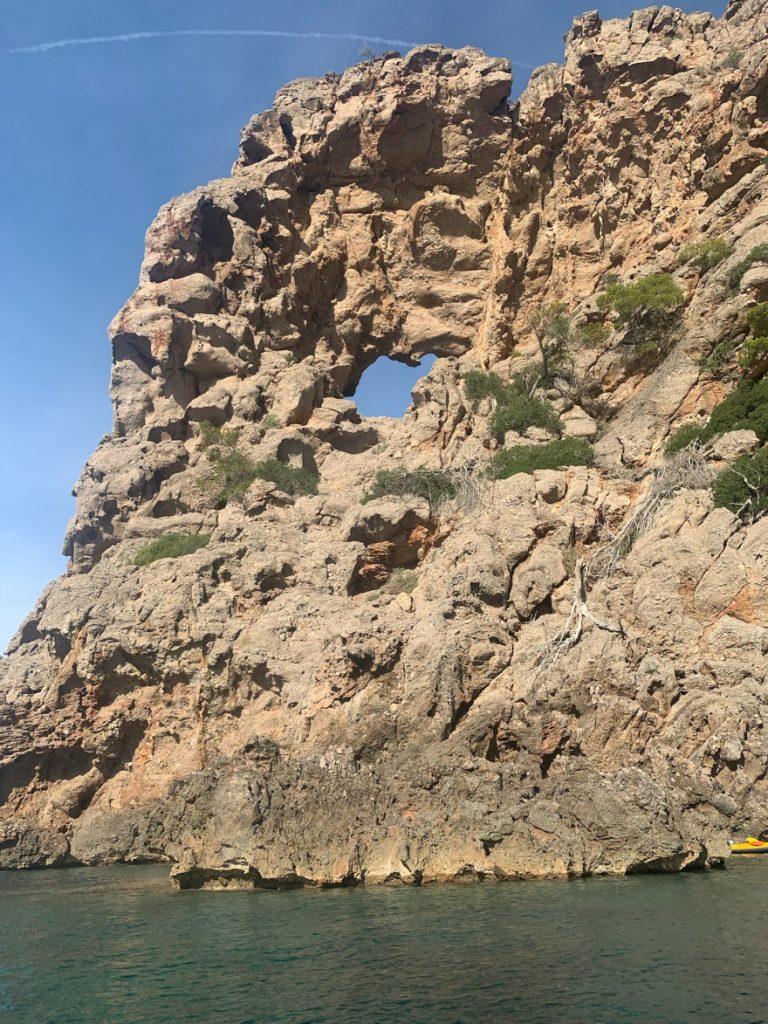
(275, 707)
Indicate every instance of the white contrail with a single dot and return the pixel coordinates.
(129, 37)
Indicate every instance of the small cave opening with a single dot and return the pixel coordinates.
(385, 387)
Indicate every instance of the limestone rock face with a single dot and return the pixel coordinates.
(334, 691)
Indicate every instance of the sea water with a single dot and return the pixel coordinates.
(119, 946)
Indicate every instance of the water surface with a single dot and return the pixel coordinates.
(118, 946)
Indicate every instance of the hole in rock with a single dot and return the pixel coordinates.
(385, 387)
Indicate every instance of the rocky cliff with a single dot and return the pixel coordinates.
(331, 690)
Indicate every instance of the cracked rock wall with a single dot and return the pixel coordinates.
(278, 706)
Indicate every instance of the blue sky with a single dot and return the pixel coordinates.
(94, 139)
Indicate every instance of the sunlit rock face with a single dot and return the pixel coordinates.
(331, 691)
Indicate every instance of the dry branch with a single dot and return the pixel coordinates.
(687, 470)
(572, 631)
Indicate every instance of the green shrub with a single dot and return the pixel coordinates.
(525, 458)
(757, 318)
(516, 409)
(733, 58)
(479, 385)
(705, 255)
(743, 487)
(746, 408)
(594, 335)
(683, 436)
(431, 484)
(232, 473)
(269, 422)
(653, 298)
(172, 545)
(213, 435)
(765, 161)
(519, 411)
(757, 255)
(551, 325)
(754, 353)
(718, 357)
(290, 479)
(643, 354)
(552, 322)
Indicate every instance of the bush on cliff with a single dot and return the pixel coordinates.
(553, 330)
(746, 408)
(743, 487)
(291, 479)
(594, 335)
(519, 411)
(172, 545)
(718, 358)
(526, 458)
(431, 484)
(213, 435)
(757, 255)
(688, 434)
(705, 255)
(754, 352)
(479, 385)
(233, 472)
(650, 300)
(516, 407)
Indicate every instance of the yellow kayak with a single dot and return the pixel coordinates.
(750, 846)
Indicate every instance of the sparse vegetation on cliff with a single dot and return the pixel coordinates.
(271, 632)
(233, 472)
(269, 422)
(594, 335)
(743, 487)
(479, 385)
(651, 300)
(754, 352)
(402, 581)
(172, 545)
(517, 407)
(526, 458)
(688, 434)
(551, 326)
(718, 357)
(744, 409)
(705, 255)
(431, 484)
(293, 480)
(519, 411)
(757, 255)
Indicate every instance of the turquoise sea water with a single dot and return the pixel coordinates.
(118, 946)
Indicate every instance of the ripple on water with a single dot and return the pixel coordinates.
(118, 946)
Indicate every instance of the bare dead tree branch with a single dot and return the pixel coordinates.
(688, 469)
(571, 633)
